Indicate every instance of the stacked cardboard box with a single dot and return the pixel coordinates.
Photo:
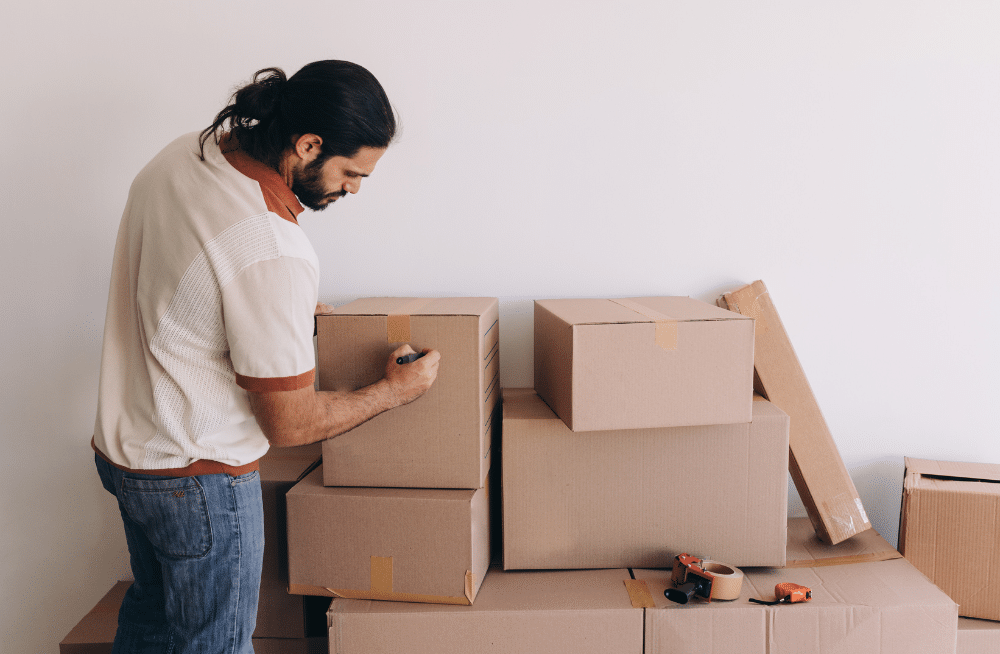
(866, 600)
(399, 510)
(660, 448)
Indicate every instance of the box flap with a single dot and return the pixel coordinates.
(953, 470)
(806, 550)
(442, 306)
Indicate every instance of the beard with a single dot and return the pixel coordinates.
(308, 187)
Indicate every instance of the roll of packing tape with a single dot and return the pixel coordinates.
(727, 581)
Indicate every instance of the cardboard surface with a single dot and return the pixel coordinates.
(443, 439)
(280, 615)
(949, 529)
(635, 363)
(637, 498)
(805, 550)
(820, 476)
(95, 633)
(882, 607)
(578, 612)
(978, 636)
(418, 545)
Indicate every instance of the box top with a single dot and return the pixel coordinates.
(806, 550)
(951, 470)
(551, 590)
(591, 311)
(312, 484)
(526, 404)
(442, 306)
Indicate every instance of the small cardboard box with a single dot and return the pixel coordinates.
(280, 615)
(95, 633)
(576, 612)
(442, 440)
(401, 544)
(637, 498)
(871, 607)
(820, 476)
(949, 528)
(635, 363)
(978, 636)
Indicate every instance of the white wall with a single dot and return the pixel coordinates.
(844, 152)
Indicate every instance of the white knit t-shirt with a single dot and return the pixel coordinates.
(213, 291)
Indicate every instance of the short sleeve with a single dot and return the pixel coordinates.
(268, 311)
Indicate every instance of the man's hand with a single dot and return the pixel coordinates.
(411, 380)
(323, 308)
(290, 418)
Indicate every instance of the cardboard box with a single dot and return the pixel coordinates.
(442, 440)
(872, 607)
(636, 363)
(402, 544)
(280, 615)
(820, 476)
(580, 611)
(978, 636)
(637, 498)
(95, 633)
(949, 528)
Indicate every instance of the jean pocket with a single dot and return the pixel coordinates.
(173, 513)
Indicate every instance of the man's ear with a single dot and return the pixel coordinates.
(307, 147)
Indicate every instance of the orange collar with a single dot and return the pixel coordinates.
(277, 196)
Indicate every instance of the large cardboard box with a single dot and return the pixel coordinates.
(403, 544)
(881, 605)
(637, 498)
(95, 633)
(443, 439)
(280, 615)
(577, 612)
(635, 363)
(820, 476)
(949, 528)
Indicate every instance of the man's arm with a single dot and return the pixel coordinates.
(290, 418)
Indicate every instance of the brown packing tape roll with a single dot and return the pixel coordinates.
(397, 324)
(665, 326)
(727, 580)
(638, 594)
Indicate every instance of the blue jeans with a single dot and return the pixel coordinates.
(197, 546)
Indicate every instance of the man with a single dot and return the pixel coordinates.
(208, 354)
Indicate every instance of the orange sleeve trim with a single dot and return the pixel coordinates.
(194, 469)
(271, 384)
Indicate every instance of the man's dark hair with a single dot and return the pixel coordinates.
(339, 101)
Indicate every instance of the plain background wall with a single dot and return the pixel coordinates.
(844, 152)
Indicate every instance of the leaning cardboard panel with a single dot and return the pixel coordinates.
(806, 550)
(949, 528)
(95, 633)
(874, 607)
(280, 615)
(401, 544)
(634, 363)
(820, 476)
(442, 440)
(576, 612)
(637, 498)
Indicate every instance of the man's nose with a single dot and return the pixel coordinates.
(352, 185)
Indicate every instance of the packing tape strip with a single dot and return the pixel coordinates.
(666, 327)
(638, 594)
(727, 582)
(397, 323)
